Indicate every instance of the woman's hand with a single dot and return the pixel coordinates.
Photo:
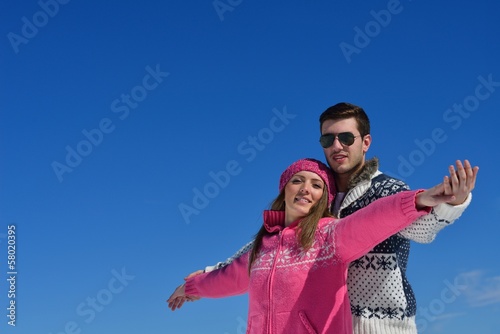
(177, 299)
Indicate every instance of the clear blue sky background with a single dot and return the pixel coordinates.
(116, 115)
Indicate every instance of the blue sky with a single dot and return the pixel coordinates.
(141, 141)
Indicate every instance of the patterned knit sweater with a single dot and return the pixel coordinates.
(382, 300)
(297, 291)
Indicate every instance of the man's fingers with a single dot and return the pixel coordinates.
(454, 177)
(471, 175)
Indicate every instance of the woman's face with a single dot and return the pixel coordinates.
(302, 192)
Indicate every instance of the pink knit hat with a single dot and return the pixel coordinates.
(310, 165)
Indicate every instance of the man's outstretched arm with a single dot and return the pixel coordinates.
(463, 180)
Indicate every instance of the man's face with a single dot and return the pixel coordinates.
(342, 158)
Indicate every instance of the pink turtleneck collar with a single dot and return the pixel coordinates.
(274, 221)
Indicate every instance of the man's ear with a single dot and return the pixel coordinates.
(367, 140)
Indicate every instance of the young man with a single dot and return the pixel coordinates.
(382, 301)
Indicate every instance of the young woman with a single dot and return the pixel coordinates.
(296, 272)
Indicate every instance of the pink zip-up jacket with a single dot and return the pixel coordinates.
(292, 291)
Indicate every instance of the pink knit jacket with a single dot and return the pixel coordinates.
(293, 291)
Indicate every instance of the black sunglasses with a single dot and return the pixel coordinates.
(345, 138)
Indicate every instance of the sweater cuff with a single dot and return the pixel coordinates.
(450, 212)
(190, 288)
(409, 204)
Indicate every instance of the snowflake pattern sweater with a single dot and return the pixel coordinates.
(382, 300)
(293, 291)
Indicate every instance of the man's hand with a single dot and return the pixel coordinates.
(453, 190)
(463, 181)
